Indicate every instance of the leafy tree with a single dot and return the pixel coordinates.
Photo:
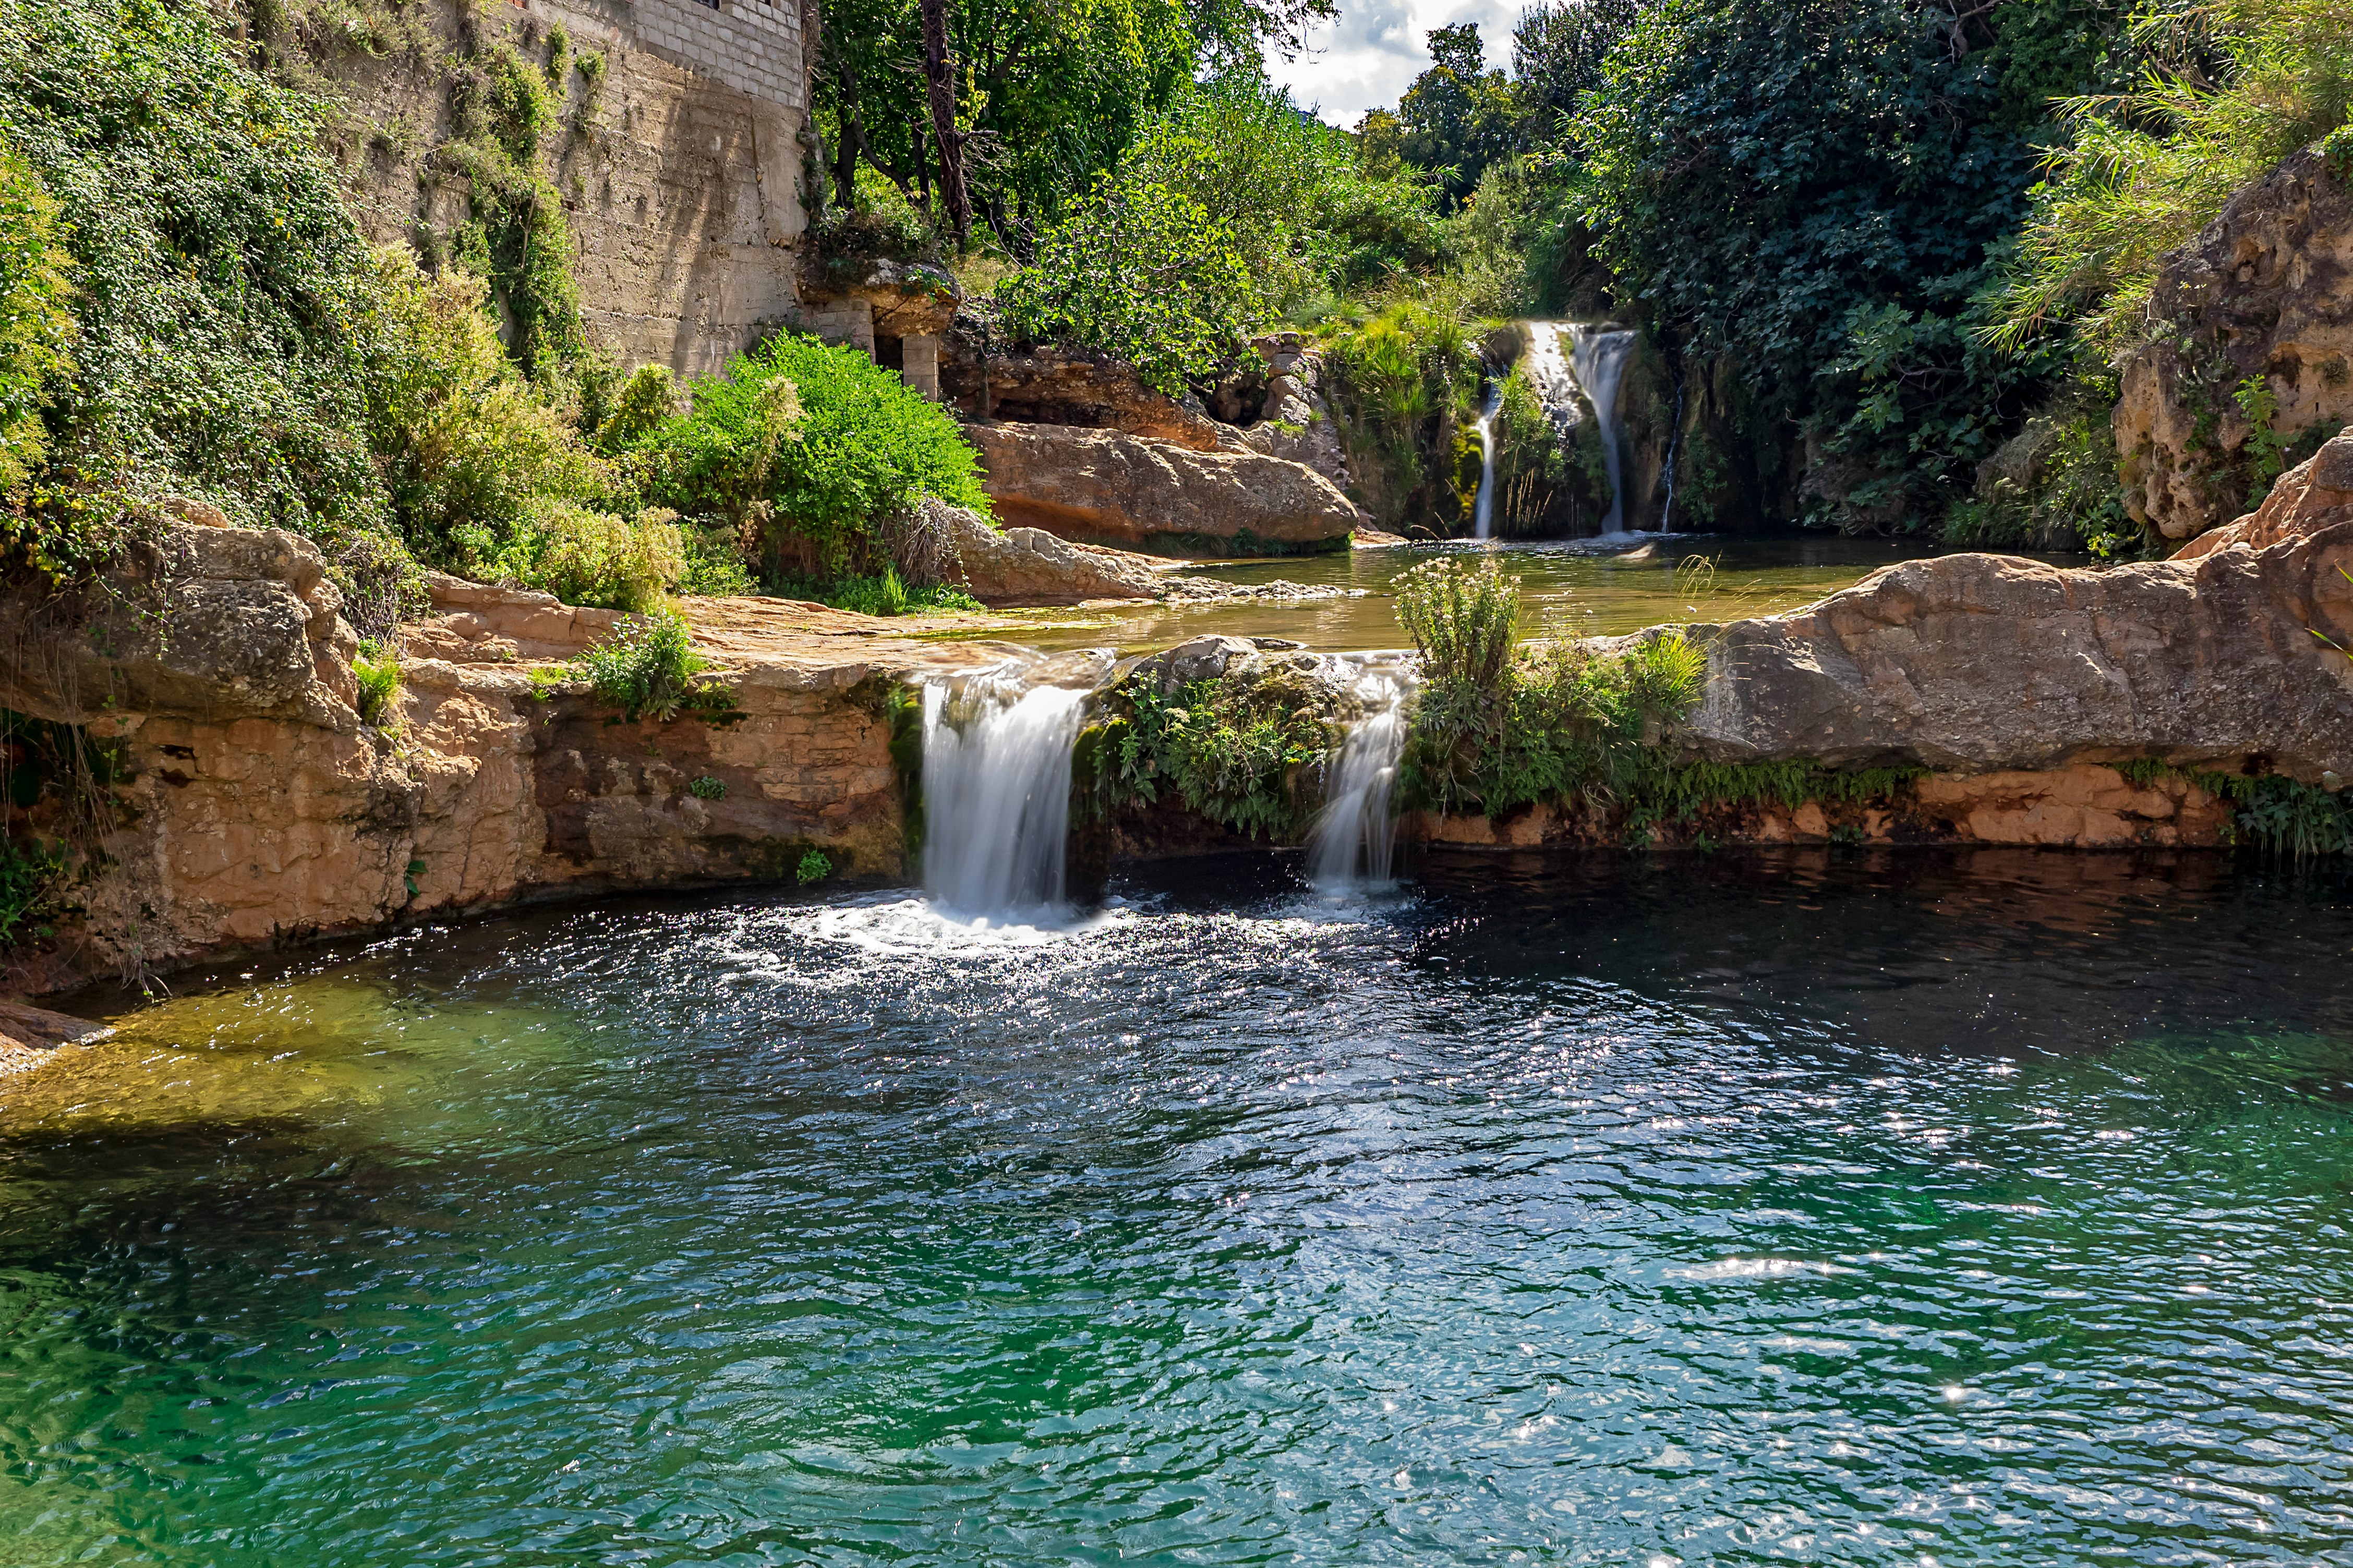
(1558, 51)
(1457, 117)
(1142, 270)
(36, 326)
(1818, 189)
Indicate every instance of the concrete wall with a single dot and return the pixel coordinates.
(681, 183)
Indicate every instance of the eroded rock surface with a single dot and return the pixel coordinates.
(1101, 486)
(2266, 291)
(1981, 664)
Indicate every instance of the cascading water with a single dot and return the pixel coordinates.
(1600, 362)
(1353, 844)
(1593, 365)
(1482, 513)
(996, 788)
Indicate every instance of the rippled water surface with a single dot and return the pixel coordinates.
(1852, 1209)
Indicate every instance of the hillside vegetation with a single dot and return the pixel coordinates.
(193, 317)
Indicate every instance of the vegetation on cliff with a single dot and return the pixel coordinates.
(193, 317)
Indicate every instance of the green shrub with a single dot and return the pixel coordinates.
(1397, 380)
(646, 668)
(1463, 617)
(714, 562)
(220, 284)
(815, 443)
(36, 325)
(472, 455)
(814, 868)
(585, 557)
(378, 670)
(1498, 726)
(2143, 170)
(707, 788)
(1233, 749)
(1141, 271)
(883, 594)
(30, 874)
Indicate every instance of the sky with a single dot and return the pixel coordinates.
(1370, 56)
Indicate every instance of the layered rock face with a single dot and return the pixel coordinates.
(256, 808)
(1106, 486)
(1073, 444)
(2266, 291)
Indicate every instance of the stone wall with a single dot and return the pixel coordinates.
(681, 177)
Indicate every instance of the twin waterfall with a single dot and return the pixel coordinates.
(1594, 363)
(997, 788)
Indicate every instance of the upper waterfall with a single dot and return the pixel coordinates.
(1594, 363)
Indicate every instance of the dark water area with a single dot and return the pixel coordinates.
(1845, 1208)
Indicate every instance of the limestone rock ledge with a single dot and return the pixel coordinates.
(254, 807)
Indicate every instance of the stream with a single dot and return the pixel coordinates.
(1830, 1208)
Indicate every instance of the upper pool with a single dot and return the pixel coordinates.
(1578, 587)
(1842, 1208)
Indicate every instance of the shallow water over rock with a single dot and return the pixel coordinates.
(1831, 1208)
(1574, 587)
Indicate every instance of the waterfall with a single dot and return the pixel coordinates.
(1600, 361)
(1483, 513)
(997, 788)
(1594, 363)
(1353, 840)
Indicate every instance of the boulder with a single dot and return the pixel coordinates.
(2265, 290)
(218, 622)
(1104, 486)
(1294, 422)
(1975, 664)
(2313, 495)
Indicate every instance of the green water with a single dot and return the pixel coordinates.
(1834, 1209)
(1571, 587)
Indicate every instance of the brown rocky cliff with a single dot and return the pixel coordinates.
(2265, 290)
(254, 806)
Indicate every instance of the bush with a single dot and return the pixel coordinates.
(379, 670)
(707, 788)
(814, 868)
(1406, 383)
(814, 446)
(30, 874)
(36, 326)
(219, 285)
(1463, 617)
(1500, 727)
(474, 458)
(2142, 172)
(1140, 270)
(1232, 748)
(646, 668)
(585, 557)
(882, 595)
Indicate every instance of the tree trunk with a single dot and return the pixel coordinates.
(846, 144)
(941, 76)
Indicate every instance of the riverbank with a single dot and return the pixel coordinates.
(1987, 700)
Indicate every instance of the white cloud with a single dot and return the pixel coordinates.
(1370, 56)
